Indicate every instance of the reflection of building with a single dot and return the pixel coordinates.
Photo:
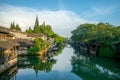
(10, 74)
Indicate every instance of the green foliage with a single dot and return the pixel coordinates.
(102, 33)
(36, 26)
(46, 30)
(14, 26)
(17, 27)
(29, 30)
(33, 50)
(107, 51)
(58, 39)
(39, 65)
(98, 33)
(41, 43)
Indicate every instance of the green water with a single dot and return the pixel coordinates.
(69, 64)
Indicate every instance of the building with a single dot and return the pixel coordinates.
(10, 43)
(32, 36)
(19, 35)
(24, 45)
(8, 54)
(5, 34)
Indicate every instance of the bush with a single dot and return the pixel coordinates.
(39, 45)
(33, 50)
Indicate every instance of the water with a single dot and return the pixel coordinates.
(66, 64)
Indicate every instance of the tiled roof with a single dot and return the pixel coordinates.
(7, 44)
(4, 29)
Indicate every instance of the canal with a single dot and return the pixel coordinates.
(68, 64)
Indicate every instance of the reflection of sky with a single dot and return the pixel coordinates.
(63, 60)
(29, 74)
(60, 71)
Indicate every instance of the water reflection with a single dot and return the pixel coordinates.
(66, 64)
(37, 63)
(58, 69)
(63, 60)
(93, 68)
(10, 74)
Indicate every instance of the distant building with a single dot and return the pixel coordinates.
(37, 35)
(18, 34)
(5, 34)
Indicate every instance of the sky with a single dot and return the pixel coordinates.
(63, 15)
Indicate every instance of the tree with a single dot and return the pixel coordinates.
(12, 26)
(46, 30)
(36, 26)
(29, 30)
(17, 27)
(101, 33)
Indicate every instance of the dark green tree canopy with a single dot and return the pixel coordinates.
(36, 26)
(101, 32)
(14, 26)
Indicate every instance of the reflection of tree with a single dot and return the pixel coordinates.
(91, 68)
(45, 63)
(59, 50)
(40, 64)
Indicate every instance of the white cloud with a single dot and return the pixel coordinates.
(62, 21)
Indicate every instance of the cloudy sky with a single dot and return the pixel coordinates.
(62, 15)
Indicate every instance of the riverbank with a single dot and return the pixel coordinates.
(98, 51)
